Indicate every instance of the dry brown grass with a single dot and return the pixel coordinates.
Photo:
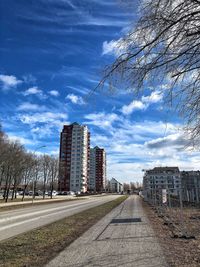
(179, 252)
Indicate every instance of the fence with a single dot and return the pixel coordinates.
(179, 208)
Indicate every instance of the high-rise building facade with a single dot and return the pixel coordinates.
(74, 158)
(97, 177)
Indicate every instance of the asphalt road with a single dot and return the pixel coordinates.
(18, 221)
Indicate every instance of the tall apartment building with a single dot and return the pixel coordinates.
(74, 158)
(97, 178)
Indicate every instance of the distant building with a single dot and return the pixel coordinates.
(74, 158)
(114, 186)
(190, 181)
(159, 178)
(97, 177)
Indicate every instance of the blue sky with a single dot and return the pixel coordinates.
(52, 55)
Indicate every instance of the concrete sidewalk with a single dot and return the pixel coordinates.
(115, 243)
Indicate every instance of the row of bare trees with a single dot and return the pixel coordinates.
(22, 170)
(132, 186)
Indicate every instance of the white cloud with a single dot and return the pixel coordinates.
(102, 120)
(153, 98)
(44, 124)
(34, 91)
(175, 140)
(55, 152)
(29, 106)
(133, 146)
(75, 99)
(42, 131)
(9, 81)
(54, 93)
(134, 105)
(43, 117)
(29, 78)
(22, 140)
(110, 47)
(114, 47)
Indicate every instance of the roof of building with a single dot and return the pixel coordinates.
(190, 172)
(115, 180)
(74, 124)
(97, 147)
(163, 169)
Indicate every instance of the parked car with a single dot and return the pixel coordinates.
(71, 193)
(20, 193)
(64, 193)
(38, 193)
(30, 193)
(54, 193)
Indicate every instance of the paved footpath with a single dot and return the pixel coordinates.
(115, 243)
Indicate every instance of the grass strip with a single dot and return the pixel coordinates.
(39, 246)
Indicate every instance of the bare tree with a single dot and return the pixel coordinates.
(13, 167)
(53, 175)
(133, 186)
(28, 169)
(20, 169)
(37, 172)
(126, 187)
(46, 171)
(3, 149)
(163, 48)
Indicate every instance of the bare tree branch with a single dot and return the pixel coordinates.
(164, 46)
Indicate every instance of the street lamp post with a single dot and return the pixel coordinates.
(33, 180)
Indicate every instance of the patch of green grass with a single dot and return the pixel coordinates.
(39, 246)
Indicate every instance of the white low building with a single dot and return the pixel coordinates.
(115, 186)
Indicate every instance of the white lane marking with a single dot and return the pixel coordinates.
(41, 217)
(30, 214)
(29, 209)
(43, 211)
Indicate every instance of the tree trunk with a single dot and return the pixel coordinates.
(25, 186)
(8, 190)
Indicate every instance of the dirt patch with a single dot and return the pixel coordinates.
(179, 252)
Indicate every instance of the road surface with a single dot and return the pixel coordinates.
(22, 220)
